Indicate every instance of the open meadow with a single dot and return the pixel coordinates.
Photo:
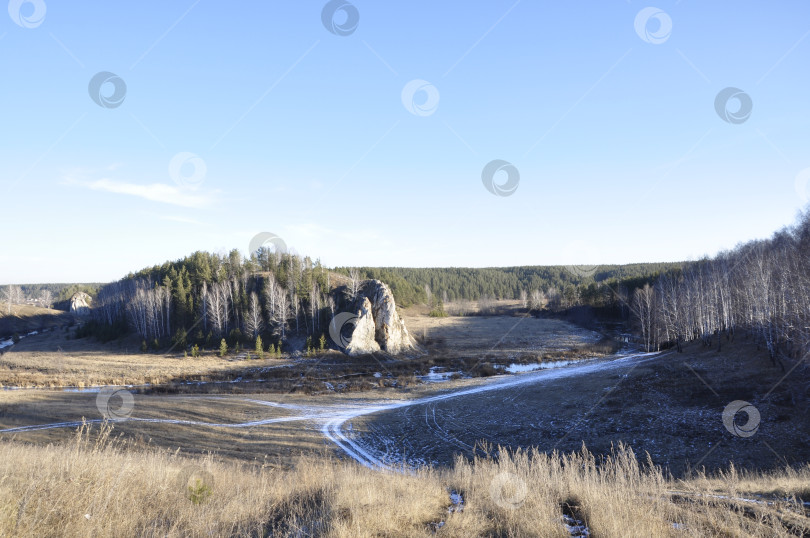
(481, 434)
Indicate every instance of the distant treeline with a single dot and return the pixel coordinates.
(53, 295)
(576, 285)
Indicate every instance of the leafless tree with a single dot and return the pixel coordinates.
(315, 306)
(253, 321)
(354, 283)
(762, 286)
(295, 304)
(149, 310)
(271, 287)
(486, 304)
(12, 295)
(537, 300)
(218, 307)
(282, 312)
(46, 298)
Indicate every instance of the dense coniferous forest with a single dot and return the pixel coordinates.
(205, 298)
(574, 285)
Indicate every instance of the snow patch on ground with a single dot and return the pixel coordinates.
(437, 374)
(575, 527)
(515, 368)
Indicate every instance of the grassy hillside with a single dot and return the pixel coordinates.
(23, 319)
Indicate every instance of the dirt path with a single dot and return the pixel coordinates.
(667, 405)
(332, 419)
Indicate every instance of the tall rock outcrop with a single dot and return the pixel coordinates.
(80, 304)
(378, 325)
(363, 339)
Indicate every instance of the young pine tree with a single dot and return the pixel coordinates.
(223, 348)
(259, 347)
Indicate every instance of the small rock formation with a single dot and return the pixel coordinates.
(80, 304)
(378, 326)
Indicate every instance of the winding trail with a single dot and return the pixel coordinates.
(332, 417)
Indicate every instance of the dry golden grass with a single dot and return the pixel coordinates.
(498, 337)
(54, 360)
(97, 486)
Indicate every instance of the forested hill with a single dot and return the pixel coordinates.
(455, 283)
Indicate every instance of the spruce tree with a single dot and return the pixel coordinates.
(259, 347)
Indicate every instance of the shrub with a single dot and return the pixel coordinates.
(195, 351)
(438, 311)
(180, 339)
(234, 337)
(199, 492)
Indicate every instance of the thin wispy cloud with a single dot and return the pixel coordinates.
(155, 192)
(183, 220)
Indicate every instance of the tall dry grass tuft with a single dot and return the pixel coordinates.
(100, 485)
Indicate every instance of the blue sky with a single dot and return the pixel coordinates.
(621, 153)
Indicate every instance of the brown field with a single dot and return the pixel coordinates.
(263, 443)
(504, 337)
(55, 359)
